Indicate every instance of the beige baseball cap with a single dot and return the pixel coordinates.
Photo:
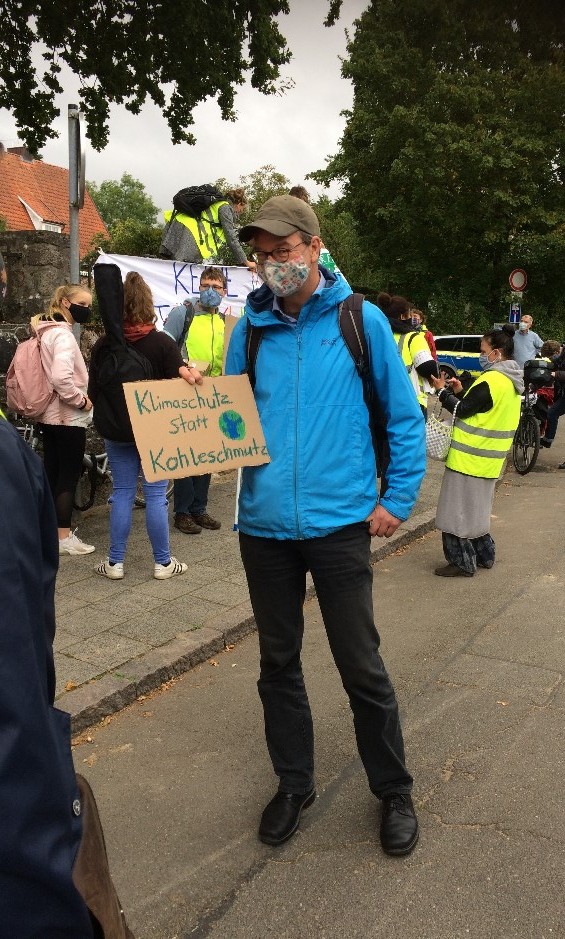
(281, 216)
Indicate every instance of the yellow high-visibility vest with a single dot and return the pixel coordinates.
(481, 443)
(408, 344)
(205, 341)
(206, 230)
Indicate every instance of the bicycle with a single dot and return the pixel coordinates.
(95, 471)
(526, 444)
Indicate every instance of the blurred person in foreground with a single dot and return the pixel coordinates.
(40, 819)
(485, 423)
(315, 507)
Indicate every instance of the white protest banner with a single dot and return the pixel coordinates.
(187, 430)
(171, 282)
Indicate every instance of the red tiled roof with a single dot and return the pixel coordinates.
(45, 188)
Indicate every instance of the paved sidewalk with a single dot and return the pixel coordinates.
(118, 639)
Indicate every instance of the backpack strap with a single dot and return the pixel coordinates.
(188, 318)
(350, 319)
(253, 337)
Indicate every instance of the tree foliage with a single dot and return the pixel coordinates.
(258, 186)
(121, 200)
(133, 50)
(453, 157)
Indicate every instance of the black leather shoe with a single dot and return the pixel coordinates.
(281, 817)
(399, 825)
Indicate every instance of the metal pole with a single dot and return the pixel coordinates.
(74, 157)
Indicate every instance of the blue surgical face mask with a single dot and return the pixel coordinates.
(484, 360)
(210, 298)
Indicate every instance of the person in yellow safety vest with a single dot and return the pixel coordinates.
(412, 345)
(486, 419)
(204, 343)
(197, 240)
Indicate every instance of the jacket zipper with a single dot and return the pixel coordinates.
(296, 435)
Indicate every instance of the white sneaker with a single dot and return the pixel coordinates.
(73, 545)
(164, 571)
(112, 571)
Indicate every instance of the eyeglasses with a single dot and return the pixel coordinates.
(277, 254)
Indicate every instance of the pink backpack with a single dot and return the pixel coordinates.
(28, 390)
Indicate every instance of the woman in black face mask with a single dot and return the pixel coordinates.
(69, 411)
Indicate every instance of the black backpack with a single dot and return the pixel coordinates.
(193, 200)
(116, 361)
(350, 316)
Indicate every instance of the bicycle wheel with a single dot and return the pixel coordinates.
(86, 486)
(525, 447)
(139, 496)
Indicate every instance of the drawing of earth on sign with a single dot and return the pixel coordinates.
(232, 425)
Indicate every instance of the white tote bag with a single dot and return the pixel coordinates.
(438, 434)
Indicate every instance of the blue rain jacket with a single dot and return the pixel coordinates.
(310, 401)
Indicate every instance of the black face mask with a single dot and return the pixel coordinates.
(80, 314)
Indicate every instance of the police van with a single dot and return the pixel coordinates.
(458, 353)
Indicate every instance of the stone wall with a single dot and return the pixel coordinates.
(36, 263)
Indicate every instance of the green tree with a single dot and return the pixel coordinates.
(258, 187)
(453, 157)
(134, 50)
(121, 200)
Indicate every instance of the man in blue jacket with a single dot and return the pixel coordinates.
(40, 809)
(315, 507)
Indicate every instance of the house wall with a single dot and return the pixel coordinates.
(36, 263)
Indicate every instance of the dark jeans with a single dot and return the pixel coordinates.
(343, 577)
(190, 496)
(556, 410)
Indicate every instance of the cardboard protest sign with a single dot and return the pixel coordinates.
(187, 430)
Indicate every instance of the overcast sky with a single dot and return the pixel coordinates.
(294, 132)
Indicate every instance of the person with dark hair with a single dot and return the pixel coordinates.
(486, 419)
(166, 361)
(553, 351)
(40, 811)
(418, 323)
(199, 240)
(314, 507)
(300, 192)
(411, 344)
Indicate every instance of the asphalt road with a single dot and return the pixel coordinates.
(182, 776)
